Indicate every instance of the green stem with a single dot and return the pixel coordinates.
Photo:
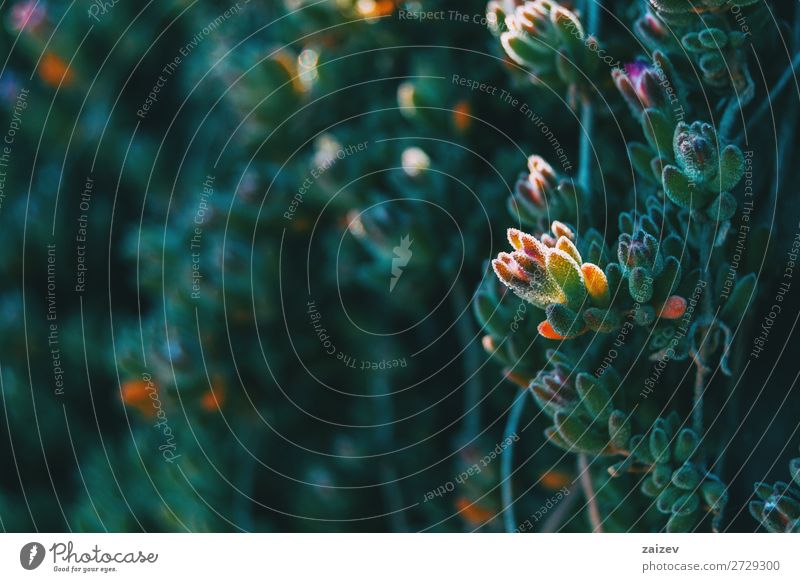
(506, 463)
(392, 495)
(556, 519)
(706, 246)
(592, 9)
(699, 389)
(733, 406)
(769, 102)
(588, 491)
(585, 149)
(471, 365)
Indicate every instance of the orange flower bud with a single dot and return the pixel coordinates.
(214, 397)
(566, 245)
(560, 229)
(555, 480)
(375, 8)
(473, 513)
(522, 241)
(596, 283)
(516, 378)
(137, 394)
(54, 70)
(546, 330)
(674, 307)
(462, 118)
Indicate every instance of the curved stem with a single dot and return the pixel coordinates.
(471, 365)
(588, 492)
(699, 389)
(585, 165)
(556, 519)
(773, 94)
(587, 111)
(706, 248)
(506, 464)
(391, 492)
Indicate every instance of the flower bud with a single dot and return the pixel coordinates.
(696, 151)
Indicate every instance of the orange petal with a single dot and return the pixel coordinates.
(566, 245)
(462, 117)
(555, 480)
(560, 229)
(214, 397)
(596, 283)
(674, 307)
(538, 167)
(516, 378)
(136, 394)
(546, 330)
(522, 241)
(506, 269)
(472, 512)
(54, 70)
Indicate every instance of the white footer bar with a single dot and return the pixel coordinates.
(406, 557)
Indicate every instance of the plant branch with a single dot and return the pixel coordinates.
(470, 363)
(706, 246)
(506, 463)
(588, 492)
(556, 519)
(592, 8)
(773, 94)
(392, 495)
(584, 161)
(699, 389)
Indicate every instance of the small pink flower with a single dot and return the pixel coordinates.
(27, 13)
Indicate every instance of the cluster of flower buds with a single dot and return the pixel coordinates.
(716, 53)
(542, 195)
(696, 172)
(778, 505)
(655, 98)
(703, 172)
(660, 220)
(680, 485)
(644, 263)
(710, 338)
(676, 12)
(508, 323)
(579, 296)
(655, 34)
(585, 419)
(648, 85)
(550, 274)
(545, 38)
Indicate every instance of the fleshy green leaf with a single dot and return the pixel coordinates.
(687, 477)
(596, 399)
(731, 169)
(658, 130)
(722, 208)
(677, 187)
(566, 272)
(659, 446)
(619, 429)
(686, 444)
